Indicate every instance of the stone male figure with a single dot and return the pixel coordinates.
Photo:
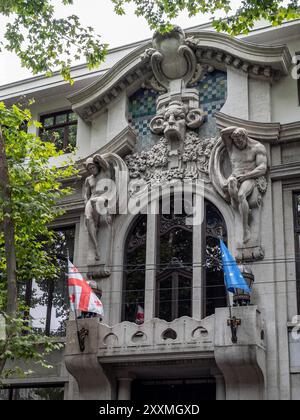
(249, 162)
(96, 198)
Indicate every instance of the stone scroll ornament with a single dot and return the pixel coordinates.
(174, 63)
(238, 170)
(103, 199)
(171, 58)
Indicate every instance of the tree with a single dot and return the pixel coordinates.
(159, 13)
(44, 42)
(31, 189)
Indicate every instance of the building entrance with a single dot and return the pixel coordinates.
(175, 391)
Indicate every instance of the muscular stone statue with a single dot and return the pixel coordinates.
(249, 164)
(96, 195)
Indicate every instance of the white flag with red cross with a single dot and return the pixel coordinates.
(140, 316)
(82, 297)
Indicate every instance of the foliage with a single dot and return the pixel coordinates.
(36, 190)
(43, 42)
(22, 345)
(159, 13)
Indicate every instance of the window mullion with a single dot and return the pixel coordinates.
(49, 306)
(151, 261)
(198, 271)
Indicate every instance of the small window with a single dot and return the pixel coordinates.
(61, 129)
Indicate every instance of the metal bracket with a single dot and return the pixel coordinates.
(234, 323)
(82, 334)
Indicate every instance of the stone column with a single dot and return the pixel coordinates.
(124, 393)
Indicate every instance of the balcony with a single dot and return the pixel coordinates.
(157, 343)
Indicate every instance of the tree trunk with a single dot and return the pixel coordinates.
(9, 233)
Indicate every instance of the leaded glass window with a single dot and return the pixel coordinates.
(175, 264)
(134, 270)
(214, 290)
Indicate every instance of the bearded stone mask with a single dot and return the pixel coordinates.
(175, 120)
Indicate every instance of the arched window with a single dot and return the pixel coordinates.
(175, 263)
(214, 295)
(134, 270)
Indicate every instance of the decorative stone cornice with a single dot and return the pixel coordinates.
(95, 98)
(122, 145)
(285, 171)
(290, 132)
(266, 132)
(220, 50)
(208, 48)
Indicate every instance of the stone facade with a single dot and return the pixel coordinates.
(202, 110)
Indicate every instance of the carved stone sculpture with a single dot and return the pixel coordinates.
(173, 124)
(102, 200)
(245, 182)
(98, 169)
(175, 69)
(179, 154)
(171, 58)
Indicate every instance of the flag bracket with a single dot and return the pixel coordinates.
(82, 335)
(234, 323)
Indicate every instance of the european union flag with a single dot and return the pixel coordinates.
(233, 276)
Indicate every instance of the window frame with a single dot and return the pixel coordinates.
(126, 268)
(174, 275)
(296, 194)
(50, 290)
(297, 54)
(12, 390)
(65, 126)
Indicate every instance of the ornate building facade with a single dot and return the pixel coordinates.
(213, 123)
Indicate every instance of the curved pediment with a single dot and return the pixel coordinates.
(129, 70)
(257, 60)
(196, 51)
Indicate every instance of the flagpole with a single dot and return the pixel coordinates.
(232, 322)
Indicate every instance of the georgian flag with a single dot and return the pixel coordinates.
(140, 316)
(82, 297)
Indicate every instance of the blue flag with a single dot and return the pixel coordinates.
(233, 276)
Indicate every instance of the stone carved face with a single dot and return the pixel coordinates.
(95, 164)
(240, 138)
(93, 169)
(175, 120)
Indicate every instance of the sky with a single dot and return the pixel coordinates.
(115, 30)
